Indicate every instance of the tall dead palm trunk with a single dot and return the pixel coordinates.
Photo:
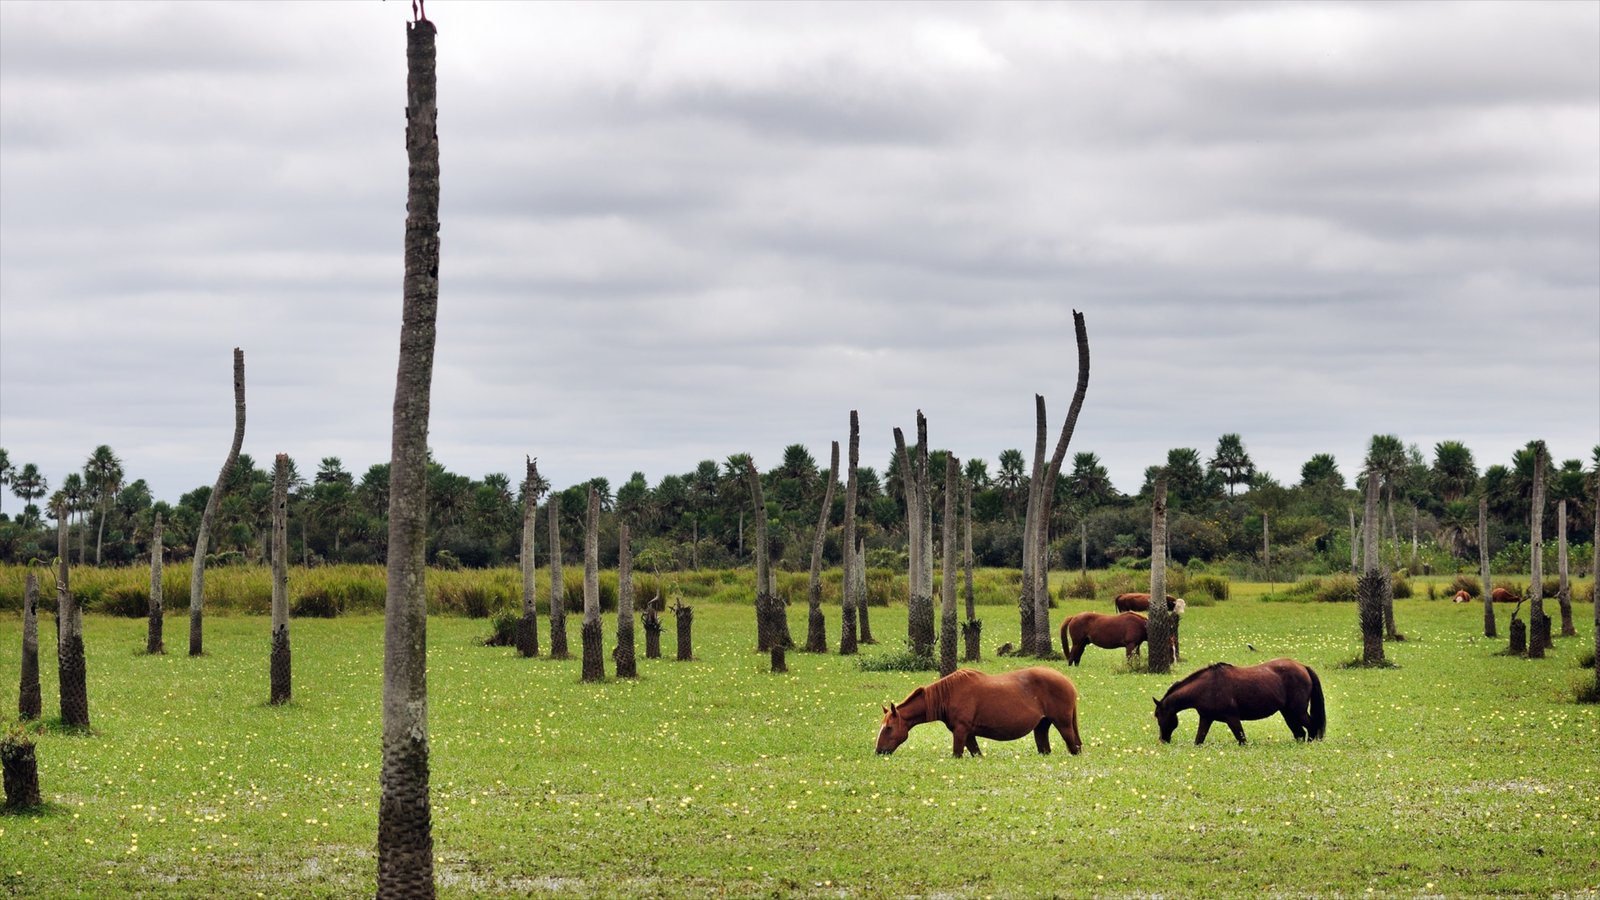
(1355, 544)
(279, 666)
(1370, 585)
(197, 577)
(1044, 641)
(972, 629)
(625, 655)
(1564, 593)
(1594, 585)
(154, 641)
(848, 600)
(594, 665)
(1538, 622)
(30, 702)
(528, 625)
(1160, 620)
(71, 666)
(405, 816)
(947, 593)
(816, 623)
(770, 635)
(1027, 609)
(558, 587)
(919, 600)
(1483, 565)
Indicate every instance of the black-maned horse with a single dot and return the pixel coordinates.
(1001, 707)
(1225, 693)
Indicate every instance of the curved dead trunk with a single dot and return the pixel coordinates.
(848, 600)
(816, 624)
(197, 577)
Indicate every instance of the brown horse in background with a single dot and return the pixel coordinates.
(1000, 707)
(1226, 693)
(1125, 630)
(1135, 602)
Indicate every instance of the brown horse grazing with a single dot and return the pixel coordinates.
(1126, 630)
(1141, 602)
(1501, 595)
(1226, 693)
(1000, 707)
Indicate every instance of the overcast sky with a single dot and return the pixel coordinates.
(676, 232)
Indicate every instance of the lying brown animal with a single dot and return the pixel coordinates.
(1462, 597)
(1501, 595)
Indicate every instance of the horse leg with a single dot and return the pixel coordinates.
(1076, 654)
(1200, 733)
(1041, 737)
(1069, 732)
(972, 745)
(1297, 727)
(1237, 728)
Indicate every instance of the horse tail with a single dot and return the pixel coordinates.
(1319, 712)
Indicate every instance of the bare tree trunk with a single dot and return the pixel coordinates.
(1594, 585)
(1026, 608)
(1355, 544)
(1538, 622)
(947, 593)
(1370, 586)
(405, 816)
(1044, 641)
(771, 624)
(21, 771)
(1483, 565)
(625, 655)
(30, 702)
(1564, 594)
(279, 660)
(848, 599)
(859, 558)
(972, 629)
(71, 665)
(816, 624)
(594, 665)
(919, 595)
(528, 625)
(154, 642)
(685, 623)
(558, 586)
(197, 577)
(1266, 542)
(1160, 620)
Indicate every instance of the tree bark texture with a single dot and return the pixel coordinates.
(862, 601)
(154, 641)
(1355, 544)
(1538, 622)
(947, 593)
(1044, 640)
(71, 666)
(279, 666)
(594, 666)
(21, 772)
(1370, 586)
(651, 620)
(30, 702)
(1027, 610)
(816, 624)
(197, 576)
(684, 617)
(558, 587)
(771, 622)
(1564, 593)
(626, 658)
(528, 625)
(848, 601)
(1160, 624)
(405, 817)
(972, 629)
(1483, 565)
(1594, 586)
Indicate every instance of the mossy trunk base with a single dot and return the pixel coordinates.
(866, 624)
(1538, 635)
(30, 704)
(594, 666)
(816, 631)
(626, 656)
(971, 635)
(558, 637)
(1369, 593)
(195, 648)
(779, 664)
(847, 632)
(1026, 641)
(685, 619)
(405, 824)
(21, 774)
(528, 636)
(1519, 637)
(652, 636)
(154, 643)
(280, 665)
(919, 626)
(74, 683)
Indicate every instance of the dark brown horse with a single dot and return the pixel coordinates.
(1000, 707)
(1224, 693)
(1126, 630)
(1141, 602)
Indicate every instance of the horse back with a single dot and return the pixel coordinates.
(1015, 701)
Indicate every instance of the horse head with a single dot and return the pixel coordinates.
(1166, 720)
(892, 733)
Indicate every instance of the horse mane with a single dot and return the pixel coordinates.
(934, 695)
(1195, 675)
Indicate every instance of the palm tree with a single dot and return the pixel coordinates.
(71, 666)
(103, 473)
(1186, 478)
(28, 484)
(1013, 479)
(1321, 470)
(76, 495)
(1455, 526)
(1232, 461)
(405, 820)
(1454, 473)
(976, 474)
(593, 664)
(1386, 458)
(197, 577)
(6, 471)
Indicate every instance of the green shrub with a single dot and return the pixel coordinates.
(1116, 583)
(1213, 586)
(1336, 589)
(1471, 585)
(1080, 586)
(315, 602)
(125, 601)
(1402, 586)
(897, 661)
(503, 632)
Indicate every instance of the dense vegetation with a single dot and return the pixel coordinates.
(1218, 508)
(1463, 772)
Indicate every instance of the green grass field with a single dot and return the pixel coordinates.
(1462, 772)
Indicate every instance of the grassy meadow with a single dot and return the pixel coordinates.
(1461, 772)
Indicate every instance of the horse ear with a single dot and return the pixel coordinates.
(1155, 701)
